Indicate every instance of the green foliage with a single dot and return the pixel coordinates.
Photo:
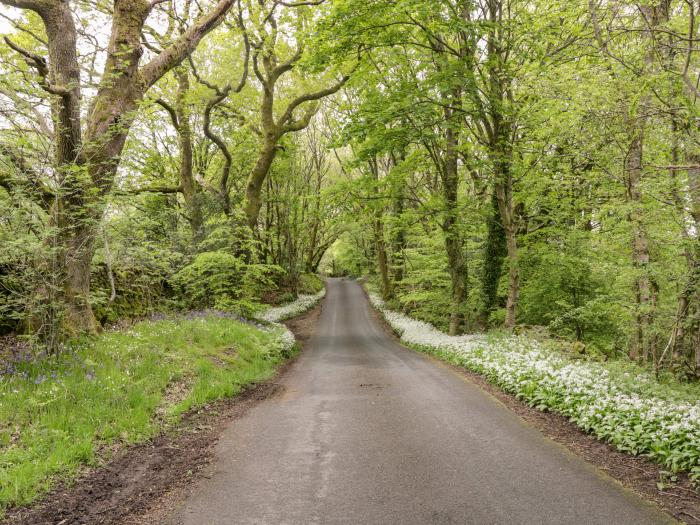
(223, 281)
(563, 289)
(211, 278)
(310, 283)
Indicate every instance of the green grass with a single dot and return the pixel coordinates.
(59, 414)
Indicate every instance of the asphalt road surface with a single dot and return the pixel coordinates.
(368, 432)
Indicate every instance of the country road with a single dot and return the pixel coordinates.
(367, 432)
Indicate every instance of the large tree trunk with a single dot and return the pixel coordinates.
(494, 252)
(72, 223)
(513, 273)
(640, 342)
(456, 260)
(253, 192)
(189, 187)
(501, 152)
(85, 166)
(503, 188)
(78, 261)
(108, 123)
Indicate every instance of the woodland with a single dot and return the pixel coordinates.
(505, 166)
(492, 164)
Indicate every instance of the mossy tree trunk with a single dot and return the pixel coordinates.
(86, 163)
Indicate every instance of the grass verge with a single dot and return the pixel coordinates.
(122, 387)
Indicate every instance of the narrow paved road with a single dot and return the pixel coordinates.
(367, 432)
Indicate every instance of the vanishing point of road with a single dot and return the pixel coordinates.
(368, 432)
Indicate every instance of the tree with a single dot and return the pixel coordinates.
(270, 68)
(87, 154)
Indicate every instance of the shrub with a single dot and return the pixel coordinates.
(210, 280)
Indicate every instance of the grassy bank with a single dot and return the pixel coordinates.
(122, 387)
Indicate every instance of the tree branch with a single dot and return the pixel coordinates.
(175, 53)
(151, 189)
(24, 29)
(286, 119)
(171, 111)
(42, 68)
(37, 6)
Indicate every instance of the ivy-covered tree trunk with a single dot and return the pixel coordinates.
(86, 165)
(501, 150)
(495, 251)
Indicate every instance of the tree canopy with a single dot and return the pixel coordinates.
(489, 163)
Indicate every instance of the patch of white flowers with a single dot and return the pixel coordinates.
(300, 305)
(276, 314)
(285, 341)
(619, 410)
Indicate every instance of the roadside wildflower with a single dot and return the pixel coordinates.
(300, 305)
(274, 315)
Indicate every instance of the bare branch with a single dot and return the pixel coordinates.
(42, 68)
